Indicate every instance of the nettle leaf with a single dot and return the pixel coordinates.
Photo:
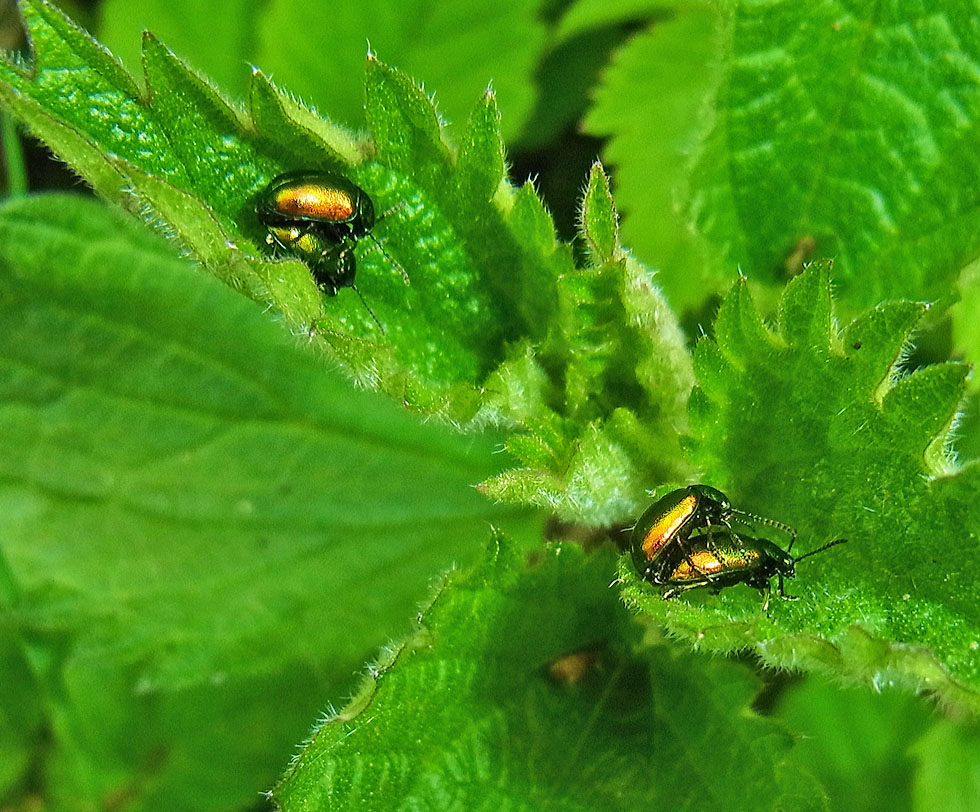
(600, 220)
(180, 749)
(218, 37)
(318, 49)
(965, 333)
(21, 713)
(815, 131)
(846, 133)
(947, 776)
(650, 145)
(845, 735)
(511, 695)
(620, 405)
(253, 509)
(195, 515)
(965, 315)
(815, 427)
(191, 162)
(496, 315)
(186, 151)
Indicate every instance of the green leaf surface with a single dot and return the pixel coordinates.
(845, 132)
(857, 742)
(188, 161)
(965, 316)
(21, 715)
(294, 130)
(120, 141)
(596, 445)
(965, 324)
(210, 747)
(488, 281)
(609, 427)
(193, 164)
(875, 751)
(520, 691)
(219, 37)
(600, 220)
(811, 426)
(948, 778)
(256, 511)
(318, 51)
(651, 144)
(481, 155)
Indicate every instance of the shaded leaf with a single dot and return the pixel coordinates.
(541, 705)
(156, 421)
(218, 38)
(857, 741)
(650, 145)
(948, 777)
(318, 51)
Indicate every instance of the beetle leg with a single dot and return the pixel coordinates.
(709, 576)
(711, 534)
(711, 548)
(782, 590)
(337, 249)
(674, 591)
(690, 561)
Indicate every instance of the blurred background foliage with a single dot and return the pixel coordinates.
(565, 77)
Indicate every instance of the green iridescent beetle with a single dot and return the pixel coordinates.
(318, 217)
(731, 559)
(669, 522)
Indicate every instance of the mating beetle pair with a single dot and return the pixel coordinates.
(318, 217)
(686, 540)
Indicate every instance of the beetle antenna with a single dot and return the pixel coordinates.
(391, 259)
(754, 517)
(369, 310)
(401, 204)
(833, 543)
